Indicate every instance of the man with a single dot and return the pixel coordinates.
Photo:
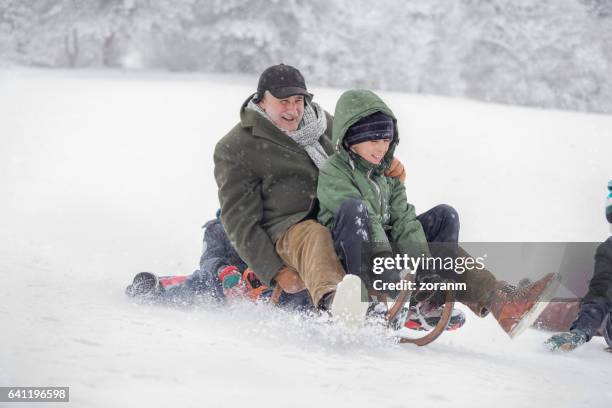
(267, 170)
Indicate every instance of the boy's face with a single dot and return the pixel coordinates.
(372, 151)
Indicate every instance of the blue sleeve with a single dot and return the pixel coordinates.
(217, 249)
(597, 303)
(591, 316)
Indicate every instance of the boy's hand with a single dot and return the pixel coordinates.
(289, 280)
(396, 170)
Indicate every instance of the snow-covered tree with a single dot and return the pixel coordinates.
(549, 53)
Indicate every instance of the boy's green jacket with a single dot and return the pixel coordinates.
(346, 175)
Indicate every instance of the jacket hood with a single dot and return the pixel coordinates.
(352, 106)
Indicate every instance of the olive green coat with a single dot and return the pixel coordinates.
(267, 183)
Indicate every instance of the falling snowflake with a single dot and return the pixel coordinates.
(363, 234)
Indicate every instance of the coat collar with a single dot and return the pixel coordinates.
(358, 162)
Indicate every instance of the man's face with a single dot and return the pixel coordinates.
(373, 151)
(286, 113)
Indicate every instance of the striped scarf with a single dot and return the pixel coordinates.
(311, 128)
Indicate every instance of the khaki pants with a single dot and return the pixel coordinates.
(308, 248)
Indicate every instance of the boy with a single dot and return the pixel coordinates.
(596, 306)
(352, 188)
(367, 211)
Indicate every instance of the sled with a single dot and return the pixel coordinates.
(403, 299)
(166, 284)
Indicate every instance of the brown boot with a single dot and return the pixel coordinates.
(516, 309)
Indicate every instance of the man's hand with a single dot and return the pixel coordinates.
(396, 170)
(289, 280)
(276, 294)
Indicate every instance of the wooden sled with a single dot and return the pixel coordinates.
(403, 298)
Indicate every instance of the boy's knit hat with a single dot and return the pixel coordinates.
(609, 203)
(376, 126)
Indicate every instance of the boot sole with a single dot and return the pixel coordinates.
(541, 303)
(347, 305)
(135, 288)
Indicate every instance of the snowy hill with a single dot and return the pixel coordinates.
(107, 174)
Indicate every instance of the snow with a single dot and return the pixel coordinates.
(107, 174)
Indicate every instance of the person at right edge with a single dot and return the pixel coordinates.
(596, 307)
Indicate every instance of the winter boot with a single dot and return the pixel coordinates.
(145, 285)
(425, 316)
(516, 309)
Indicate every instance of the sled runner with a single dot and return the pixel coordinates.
(349, 305)
(396, 317)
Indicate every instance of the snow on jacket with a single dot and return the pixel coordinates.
(267, 183)
(346, 175)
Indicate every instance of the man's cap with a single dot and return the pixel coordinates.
(282, 81)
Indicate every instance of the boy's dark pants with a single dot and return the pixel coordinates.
(351, 233)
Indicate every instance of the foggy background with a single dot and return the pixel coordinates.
(544, 53)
